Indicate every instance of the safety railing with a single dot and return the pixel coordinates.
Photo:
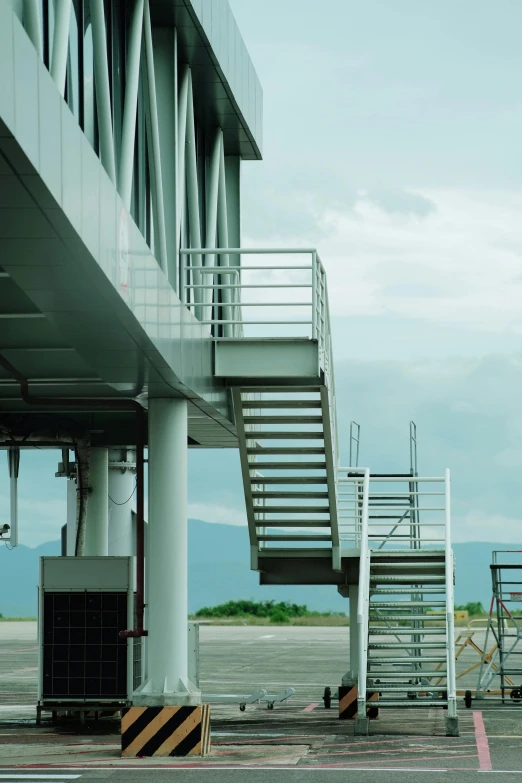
(363, 601)
(350, 503)
(266, 299)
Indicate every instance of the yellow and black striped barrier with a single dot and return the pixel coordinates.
(348, 703)
(165, 731)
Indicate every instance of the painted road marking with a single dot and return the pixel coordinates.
(311, 706)
(482, 742)
(267, 636)
(50, 776)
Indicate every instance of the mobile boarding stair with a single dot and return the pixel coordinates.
(405, 604)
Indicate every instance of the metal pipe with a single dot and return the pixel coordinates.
(103, 95)
(131, 104)
(62, 23)
(107, 404)
(13, 460)
(32, 24)
(193, 191)
(156, 155)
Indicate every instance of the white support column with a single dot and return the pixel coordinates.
(61, 43)
(103, 96)
(230, 297)
(167, 660)
(152, 124)
(193, 199)
(32, 24)
(354, 632)
(182, 136)
(122, 485)
(97, 522)
(212, 212)
(131, 104)
(72, 517)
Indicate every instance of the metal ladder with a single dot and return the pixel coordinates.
(405, 611)
(288, 466)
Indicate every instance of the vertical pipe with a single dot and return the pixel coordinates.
(212, 212)
(103, 96)
(13, 458)
(182, 135)
(32, 24)
(153, 119)
(131, 104)
(72, 517)
(450, 630)
(193, 198)
(61, 43)
(97, 523)
(121, 492)
(167, 580)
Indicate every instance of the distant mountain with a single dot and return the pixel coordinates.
(219, 571)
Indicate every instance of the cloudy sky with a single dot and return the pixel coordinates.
(392, 142)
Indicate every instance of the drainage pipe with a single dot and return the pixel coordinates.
(115, 405)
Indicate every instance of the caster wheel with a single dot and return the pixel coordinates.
(327, 698)
(270, 706)
(467, 699)
(372, 713)
(242, 707)
(516, 694)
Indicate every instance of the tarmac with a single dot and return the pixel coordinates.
(291, 742)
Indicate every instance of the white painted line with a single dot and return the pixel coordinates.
(51, 776)
(268, 636)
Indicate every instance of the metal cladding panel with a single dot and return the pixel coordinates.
(227, 89)
(85, 573)
(278, 358)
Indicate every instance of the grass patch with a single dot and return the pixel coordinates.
(17, 619)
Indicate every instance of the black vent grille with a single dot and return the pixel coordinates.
(83, 655)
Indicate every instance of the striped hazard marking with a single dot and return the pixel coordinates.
(166, 731)
(348, 703)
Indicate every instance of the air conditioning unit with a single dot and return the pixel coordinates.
(84, 665)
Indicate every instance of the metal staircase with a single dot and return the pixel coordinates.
(288, 466)
(405, 610)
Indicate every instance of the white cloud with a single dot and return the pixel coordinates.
(480, 526)
(461, 263)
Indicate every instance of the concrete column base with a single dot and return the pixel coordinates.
(186, 695)
(452, 727)
(362, 726)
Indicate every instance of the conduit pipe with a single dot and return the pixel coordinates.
(131, 104)
(61, 43)
(107, 404)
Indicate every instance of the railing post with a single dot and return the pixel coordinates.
(450, 642)
(362, 610)
(314, 295)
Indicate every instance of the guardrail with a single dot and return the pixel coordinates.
(271, 298)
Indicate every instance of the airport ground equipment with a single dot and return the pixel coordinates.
(504, 628)
(400, 643)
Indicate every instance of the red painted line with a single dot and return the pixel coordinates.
(350, 764)
(388, 751)
(311, 706)
(482, 742)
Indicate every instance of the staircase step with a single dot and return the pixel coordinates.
(289, 480)
(283, 419)
(294, 538)
(291, 510)
(411, 566)
(406, 645)
(424, 617)
(401, 604)
(398, 630)
(282, 404)
(264, 435)
(285, 450)
(406, 590)
(406, 675)
(288, 465)
(408, 553)
(410, 578)
(406, 660)
(289, 494)
(292, 523)
(417, 688)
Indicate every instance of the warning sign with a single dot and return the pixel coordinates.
(516, 597)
